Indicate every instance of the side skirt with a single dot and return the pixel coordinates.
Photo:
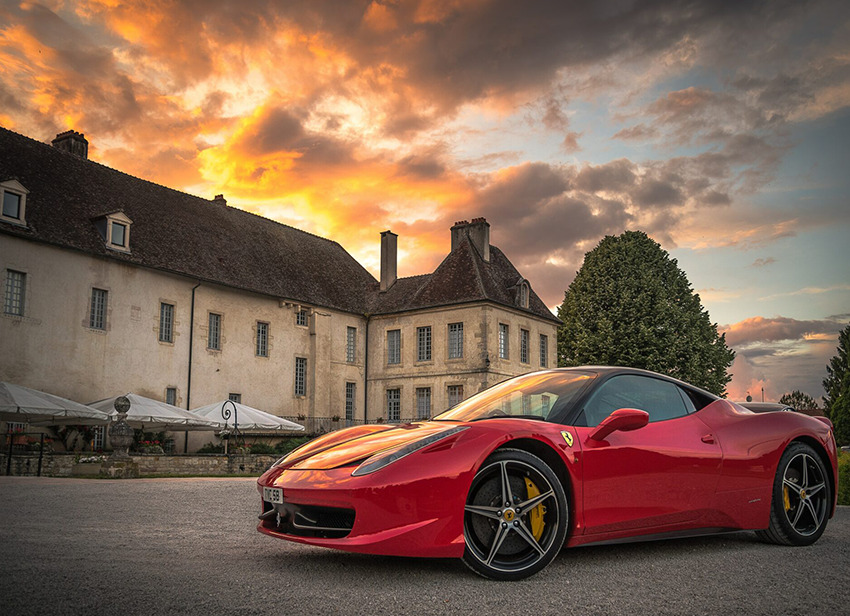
(676, 534)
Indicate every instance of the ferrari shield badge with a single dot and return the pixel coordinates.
(568, 438)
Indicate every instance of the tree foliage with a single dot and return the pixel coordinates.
(799, 400)
(836, 371)
(840, 413)
(837, 386)
(631, 305)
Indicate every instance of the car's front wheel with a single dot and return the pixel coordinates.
(802, 498)
(516, 516)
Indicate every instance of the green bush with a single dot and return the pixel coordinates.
(211, 448)
(844, 477)
(290, 443)
(261, 448)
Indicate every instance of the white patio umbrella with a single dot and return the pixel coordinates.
(22, 404)
(248, 418)
(146, 413)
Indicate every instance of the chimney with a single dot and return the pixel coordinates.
(73, 142)
(478, 232)
(389, 257)
(458, 232)
(220, 200)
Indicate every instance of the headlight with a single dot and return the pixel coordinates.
(385, 458)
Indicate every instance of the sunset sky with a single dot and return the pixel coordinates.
(722, 129)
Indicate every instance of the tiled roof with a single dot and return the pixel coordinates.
(462, 277)
(208, 241)
(176, 232)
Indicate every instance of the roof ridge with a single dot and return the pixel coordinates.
(168, 188)
(479, 262)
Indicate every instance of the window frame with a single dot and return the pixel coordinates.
(423, 394)
(14, 294)
(166, 325)
(524, 346)
(544, 351)
(301, 318)
(643, 379)
(261, 338)
(459, 394)
(13, 187)
(124, 228)
(424, 346)
(98, 306)
(300, 386)
(394, 347)
(350, 344)
(455, 340)
(504, 341)
(524, 294)
(393, 404)
(171, 392)
(350, 400)
(214, 331)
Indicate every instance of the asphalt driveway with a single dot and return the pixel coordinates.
(189, 546)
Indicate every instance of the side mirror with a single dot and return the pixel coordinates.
(621, 419)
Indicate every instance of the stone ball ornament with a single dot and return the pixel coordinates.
(122, 404)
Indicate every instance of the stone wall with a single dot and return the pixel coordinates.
(208, 465)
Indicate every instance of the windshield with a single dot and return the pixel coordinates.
(539, 395)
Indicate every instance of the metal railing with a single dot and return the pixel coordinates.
(23, 444)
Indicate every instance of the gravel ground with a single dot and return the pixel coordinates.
(189, 546)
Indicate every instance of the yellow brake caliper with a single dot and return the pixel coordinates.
(535, 516)
(785, 498)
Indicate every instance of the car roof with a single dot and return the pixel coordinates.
(617, 370)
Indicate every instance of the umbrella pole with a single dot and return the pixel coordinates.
(40, 454)
(9, 458)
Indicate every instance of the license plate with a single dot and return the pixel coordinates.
(273, 495)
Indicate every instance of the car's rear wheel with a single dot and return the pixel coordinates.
(516, 516)
(802, 498)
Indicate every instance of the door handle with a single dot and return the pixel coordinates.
(708, 438)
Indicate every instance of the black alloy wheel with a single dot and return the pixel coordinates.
(802, 498)
(516, 516)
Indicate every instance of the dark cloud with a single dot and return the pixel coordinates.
(657, 193)
(519, 191)
(618, 175)
(427, 165)
(761, 329)
(277, 130)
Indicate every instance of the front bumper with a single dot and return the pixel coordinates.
(393, 512)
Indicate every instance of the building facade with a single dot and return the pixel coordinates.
(113, 284)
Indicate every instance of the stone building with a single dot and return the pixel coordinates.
(114, 284)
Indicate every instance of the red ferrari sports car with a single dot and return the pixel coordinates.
(570, 457)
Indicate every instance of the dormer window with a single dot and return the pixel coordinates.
(523, 294)
(14, 199)
(114, 228)
(119, 234)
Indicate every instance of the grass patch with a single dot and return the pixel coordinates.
(843, 477)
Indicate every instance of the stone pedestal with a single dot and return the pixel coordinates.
(120, 433)
(120, 470)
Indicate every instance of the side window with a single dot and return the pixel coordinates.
(661, 399)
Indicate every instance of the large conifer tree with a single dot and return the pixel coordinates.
(836, 402)
(631, 305)
(837, 369)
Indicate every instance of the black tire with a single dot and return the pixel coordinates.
(801, 500)
(516, 541)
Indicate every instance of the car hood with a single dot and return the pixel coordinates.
(355, 444)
